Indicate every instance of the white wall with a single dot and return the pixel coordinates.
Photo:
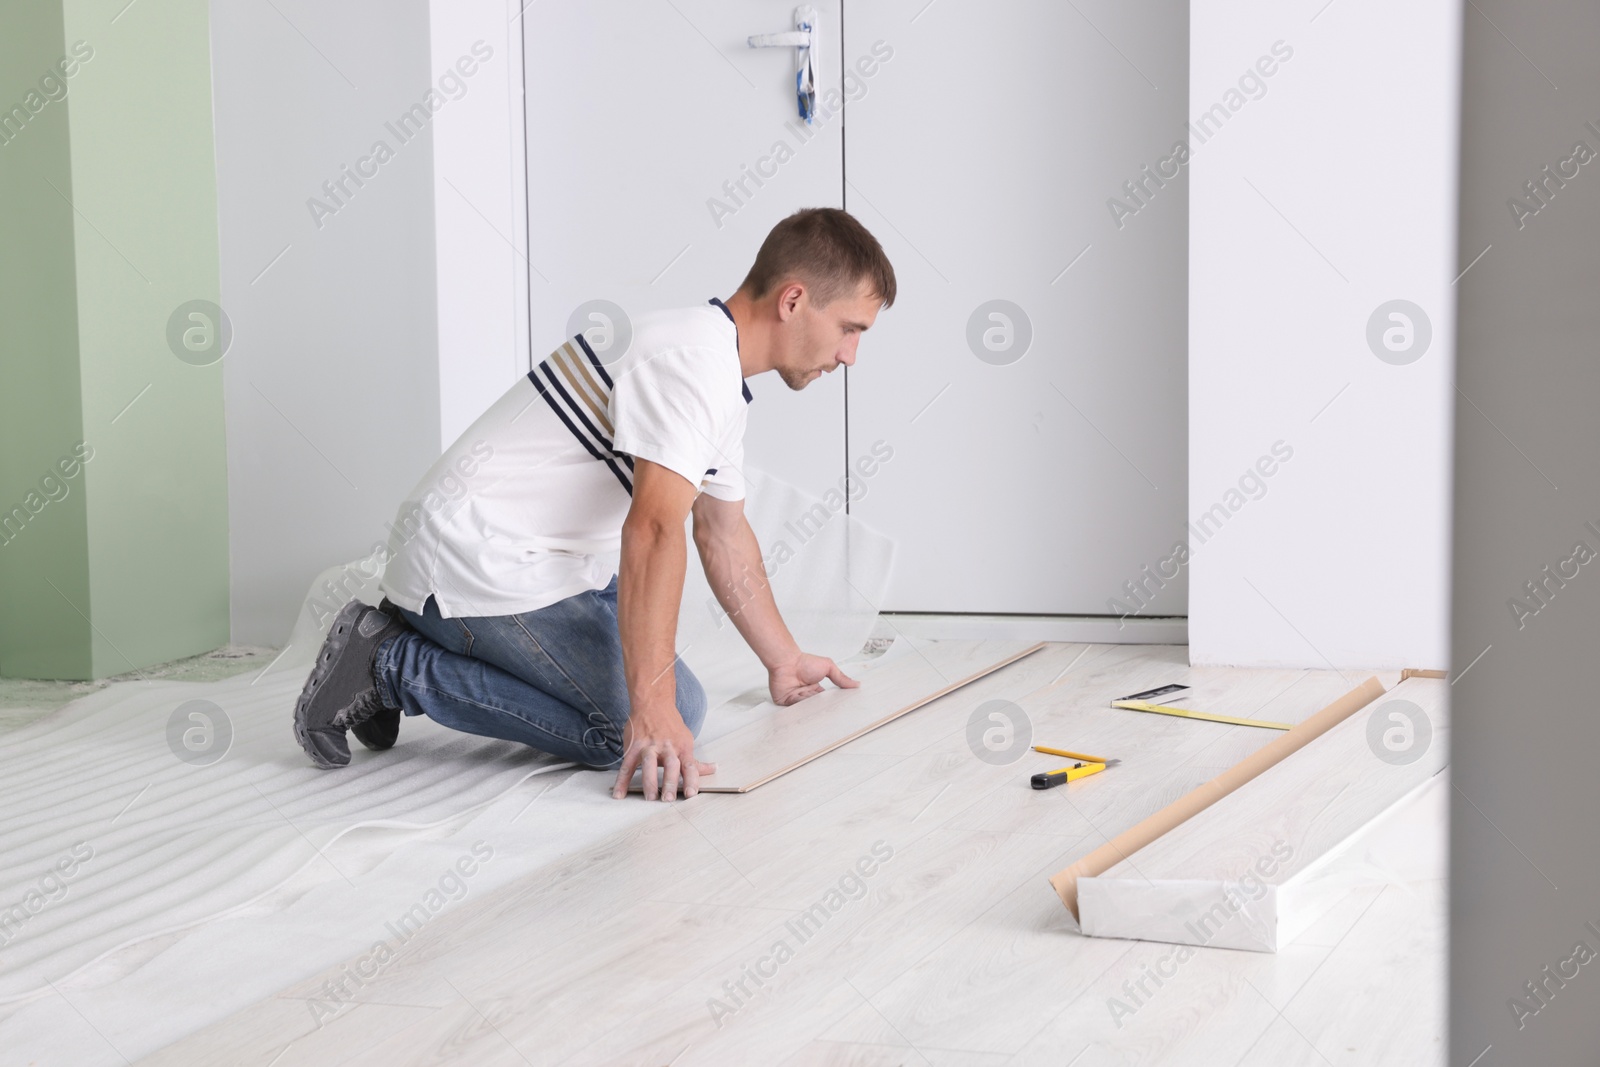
(332, 381)
(387, 326)
(479, 210)
(1311, 206)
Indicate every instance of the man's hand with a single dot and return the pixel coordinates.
(732, 559)
(802, 677)
(649, 592)
(660, 740)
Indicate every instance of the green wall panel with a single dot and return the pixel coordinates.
(116, 177)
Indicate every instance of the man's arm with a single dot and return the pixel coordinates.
(732, 559)
(649, 593)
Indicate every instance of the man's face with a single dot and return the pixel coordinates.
(821, 339)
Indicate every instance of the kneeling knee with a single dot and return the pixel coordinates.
(603, 748)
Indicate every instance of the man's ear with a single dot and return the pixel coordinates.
(789, 300)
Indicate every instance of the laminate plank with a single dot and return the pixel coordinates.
(762, 816)
(898, 807)
(1206, 1012)
(571, 994)
(950, 881)
(946, 718)
(255, 1037)
(839, 1054)
(455, 1034)
(992, 985)
(772, 835)
(1163, 758)
(1342, 1016)
(1317, 797)
(1331, 927)
(919, 898)
(570, 898)
(1279, 831)
(1210, 1007)
(1116, 850)
(361, 1028)
(780, 739)
(842, 1054)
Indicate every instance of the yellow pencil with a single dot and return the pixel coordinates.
(1047, 750)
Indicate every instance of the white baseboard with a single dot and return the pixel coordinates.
(1098, 629)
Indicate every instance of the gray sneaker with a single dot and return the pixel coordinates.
(371, 722)
(340, 690)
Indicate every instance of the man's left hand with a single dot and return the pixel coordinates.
(794, 681)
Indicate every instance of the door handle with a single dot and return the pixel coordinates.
(803, 39)
(791, 39)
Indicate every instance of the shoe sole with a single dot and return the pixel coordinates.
(333, 647)
(365, 731)
(366, 735)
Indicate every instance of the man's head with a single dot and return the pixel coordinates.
(819, 279)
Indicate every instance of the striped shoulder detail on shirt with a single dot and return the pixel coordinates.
(575, 384)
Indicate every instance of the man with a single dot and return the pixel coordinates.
(501, 614)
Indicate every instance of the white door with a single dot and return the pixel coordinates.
(980, 144)
(646, 120)
(1031, 377)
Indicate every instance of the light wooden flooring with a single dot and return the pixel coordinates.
(957, 952)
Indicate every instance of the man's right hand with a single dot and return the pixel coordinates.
(656, 740)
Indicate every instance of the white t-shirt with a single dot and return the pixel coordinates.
(526, 507)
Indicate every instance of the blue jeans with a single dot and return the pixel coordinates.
(551, 679)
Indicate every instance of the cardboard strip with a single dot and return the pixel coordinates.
(1131, 840)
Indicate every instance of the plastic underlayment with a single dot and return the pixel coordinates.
(195, 890)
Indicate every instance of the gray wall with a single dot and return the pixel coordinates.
(1525, 873)
(332, 379)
